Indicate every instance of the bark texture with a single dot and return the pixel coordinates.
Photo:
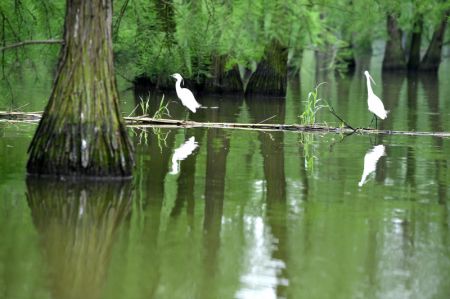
(270, 77)
(82, 132)
(416, 40)
(432, 58)
(223, 80)
(394, 56)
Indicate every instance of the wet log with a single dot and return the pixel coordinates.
(145, 121)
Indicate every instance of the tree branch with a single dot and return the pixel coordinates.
(32, 42)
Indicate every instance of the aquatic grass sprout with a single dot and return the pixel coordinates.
(308, 117)
(163, 109)
(144, 104)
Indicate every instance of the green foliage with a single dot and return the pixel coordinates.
(157, 38)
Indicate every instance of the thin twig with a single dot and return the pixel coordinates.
(338, 117)
(32, 42)
(267, 119)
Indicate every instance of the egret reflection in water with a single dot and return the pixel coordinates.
(370, 162)
(182, 152)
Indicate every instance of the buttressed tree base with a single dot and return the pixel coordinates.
(82, 132)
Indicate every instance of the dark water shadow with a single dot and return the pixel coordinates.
(77, 222)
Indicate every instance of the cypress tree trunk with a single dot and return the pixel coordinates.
(270, 77)
(432, 58)
(223, 80)
(394, 56)
(416, 39)
(82, 132)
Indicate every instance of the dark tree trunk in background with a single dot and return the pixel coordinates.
(223, 80)
(82, 132)
(416, 39)
(270, 77)
(432, 58)
(345, 59)
(394, 56)
(295, 58)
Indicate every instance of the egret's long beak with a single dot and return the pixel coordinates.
(371, 79)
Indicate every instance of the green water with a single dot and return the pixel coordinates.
(247, 214)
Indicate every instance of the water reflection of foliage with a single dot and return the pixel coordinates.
(307, 140)
(160, 134)
(77, 222)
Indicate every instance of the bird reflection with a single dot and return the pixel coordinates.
(182, 153)
(370, 161)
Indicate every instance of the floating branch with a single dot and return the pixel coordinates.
(144, 121)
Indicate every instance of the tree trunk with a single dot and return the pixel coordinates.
(223, 80)
(416, 39)
(394, 56)
(82, 132)
(270, 77)
(432, 58)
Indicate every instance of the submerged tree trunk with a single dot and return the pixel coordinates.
(394, 57)
(432, 58)
(82, 132)
(270, 77)
(223, 80)
(416, 39)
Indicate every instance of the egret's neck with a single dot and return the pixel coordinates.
(178, 85)
(369, 86)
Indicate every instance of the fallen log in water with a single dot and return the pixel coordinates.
(145, 121)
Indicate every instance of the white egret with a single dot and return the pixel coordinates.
(185, 95)
(182, 152)
(370, 162)
(375, 104)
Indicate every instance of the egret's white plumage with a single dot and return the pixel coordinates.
(185, 95)
(182, 153)
(375, 104)
(370, 161)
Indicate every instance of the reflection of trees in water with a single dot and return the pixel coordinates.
(272, 151)
(411, 98)
(391, 83)
(77, 222)
(218, 147)
(153, 165)
(430, 84)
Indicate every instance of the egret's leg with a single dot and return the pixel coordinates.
(186, 116)
(376, 121)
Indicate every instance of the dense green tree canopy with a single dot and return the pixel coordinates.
(154, 38)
